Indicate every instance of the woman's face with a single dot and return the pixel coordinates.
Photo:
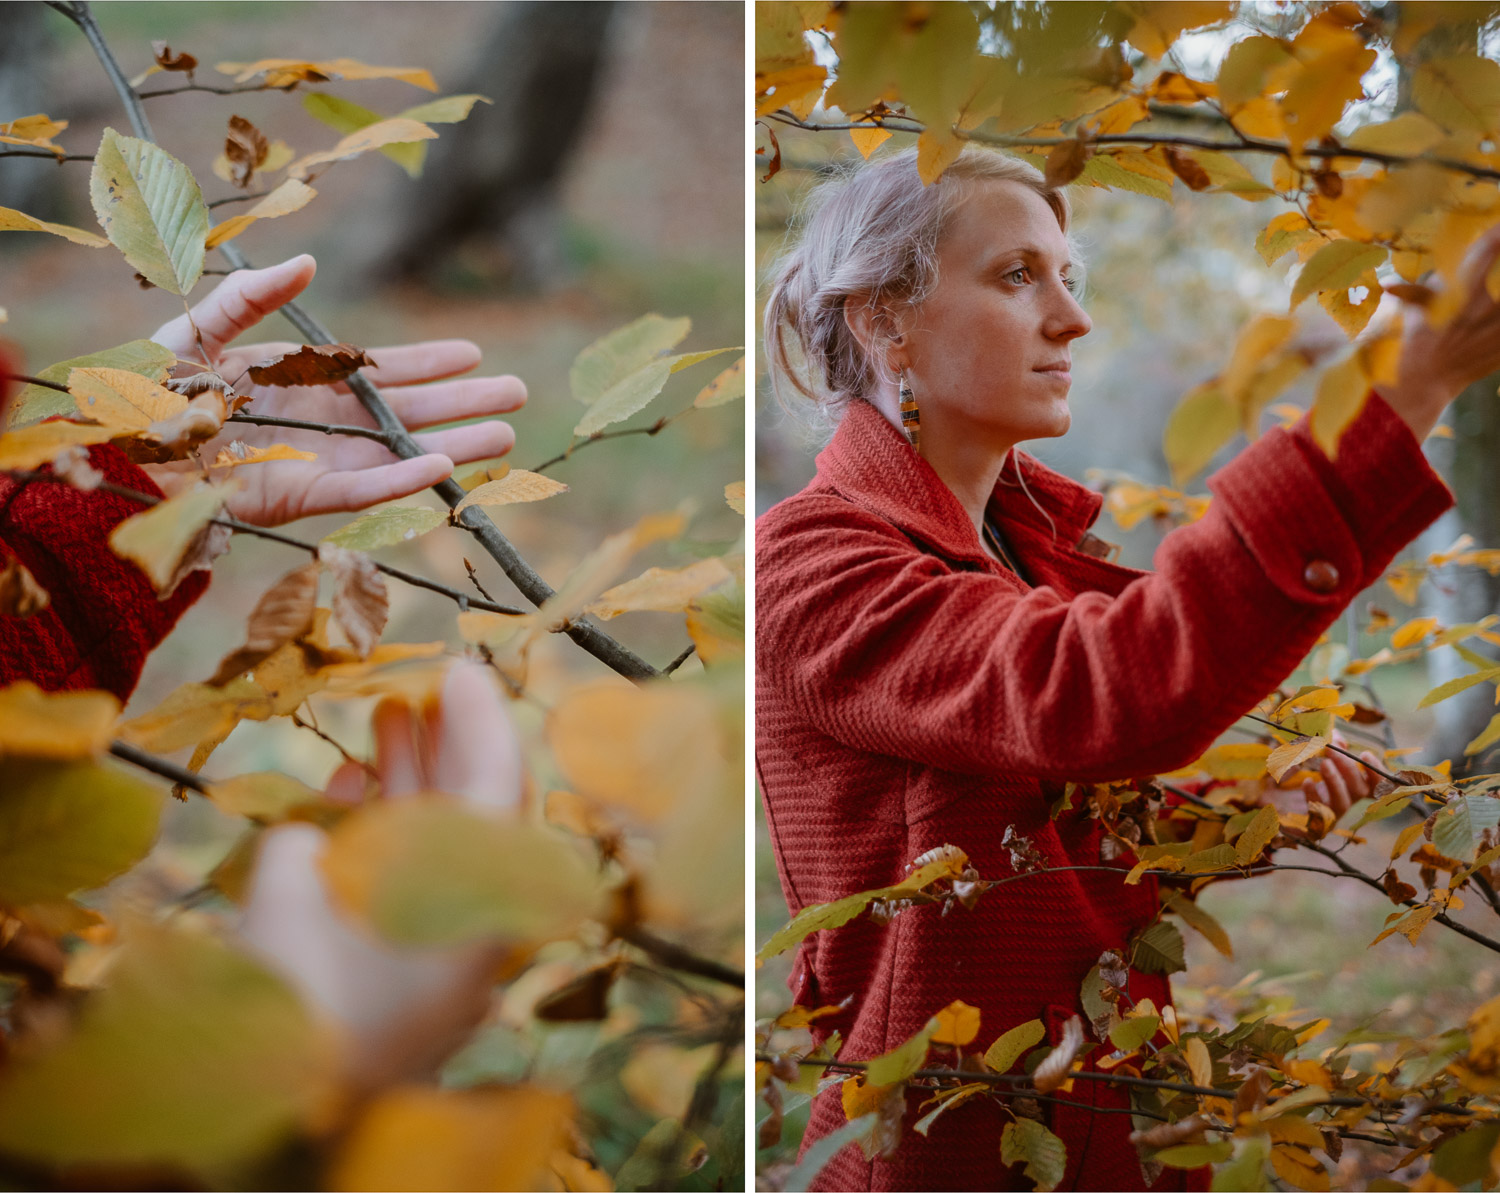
(988, 351)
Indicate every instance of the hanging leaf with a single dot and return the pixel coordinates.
(386, 527)
(59, 725)
(312, 364)
(122, 399)
(1252, 842)
(1461, 93)
(12, 220)
(172, 533)
(1015, 1043)
(903, 1060)
(267, 797)
(1458, 829)
(1342, 390)
(1293, 754)
(28, 447)
(958, 1024)
(1337, 266)
(1052, 1073)
(667, 590)
(288, 72)
(1159, 949)
(288, 197)
(1026, 1141)
(283, 614)
(396, 130)
(239, 452)
(151, 209)
(36, 402)
(1198, 919)
(728, 386)
(360, 601)
(1201, 424)
(246, 148)
(608, 361)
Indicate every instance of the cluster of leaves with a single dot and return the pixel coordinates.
(1368, 132)
(139, 1044)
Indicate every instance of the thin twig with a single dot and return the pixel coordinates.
(312, 727)
(236, 198)
(653, 429)
(680, 659)
(474, 580)
(159, 766)
(186, 87)
(57, 157)
(25, 380)
(1384, 774)
(674, 956)
(297, 424)
(84, 19)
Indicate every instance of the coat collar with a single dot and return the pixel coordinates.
(870, 462)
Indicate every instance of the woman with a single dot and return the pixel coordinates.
(940, 646)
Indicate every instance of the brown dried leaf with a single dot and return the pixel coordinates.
(583, 999)
(1187, 169)
(315, 364)
(284, 613)
(1114, 971)
(1066, 162)
(1053, 1071)
(245, 147)
(206, 546)
(1252, 1093)
(170, 61)
(360, 602)
(1185, 1130)
(179, 435)
(20, 594)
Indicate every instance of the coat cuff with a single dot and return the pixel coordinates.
(1324, 529)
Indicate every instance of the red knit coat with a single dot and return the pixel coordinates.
(103, 618)
(911, 692)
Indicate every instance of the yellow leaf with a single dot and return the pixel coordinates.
(292, 195)
(1409, 134)
(1293, 753)
(1341, 395)
(35, 130)
(958, 1024)
(867, 140)
(1200, 1066)
(726, 387)
(1121, 116)
(237, 453)
(1252, 842)
(18, 221)
(396, 130)
(642, 749)
(1159, 22)
(419, 1138)
(1461, 93)
(1331, 62)
(1336, 266)
(27, 447)
(666, 590)
(284, 72)
(795, 87)
(601, 566)
(121, 399)
(196, 711)
(1352, 308)
(42, 724)
(1259, 338)
(266, 796)
(159, 539)
(515, 486)
(1010, 1047)
(1413, 631)
(1202, 423)
(860, 1098)
(1296, 1166)
(937, 149)
(734, 496)
(1235, 760)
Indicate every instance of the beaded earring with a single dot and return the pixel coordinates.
(911, 418)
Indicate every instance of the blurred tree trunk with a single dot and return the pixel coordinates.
(488, 191)
(1461, 595)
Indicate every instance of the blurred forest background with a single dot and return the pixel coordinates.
(597, 188)
(1168, 287)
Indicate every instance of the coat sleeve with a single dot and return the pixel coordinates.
(889, 650)
(103, 617)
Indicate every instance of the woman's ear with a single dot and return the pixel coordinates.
(870, 323)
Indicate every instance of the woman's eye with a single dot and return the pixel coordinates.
(1071, 284)
(1018, 277)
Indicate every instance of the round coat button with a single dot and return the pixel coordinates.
(1321, 576)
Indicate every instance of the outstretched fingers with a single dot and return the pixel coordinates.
(339, 492)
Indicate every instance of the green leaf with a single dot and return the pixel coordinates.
(1026, 1141)
(430, 872)
(386, 527)
(151, 209)
(36, 402)
(192, 1056)
(1130, 1034)
(1247, 1171)
(1336, 266)
(1251, 843)
(1454, 686)
(818, 917)
(1465, 1158)
(607, 362)
(344, 116)
(449, 110)
(1005, 1051)
(1457, 828)
(1199, 920)
(817, 1157)
(1195, 1155)
(1159, 949)
(631, 394)
(1092, 998)
(1387, 805)
(1488, 736)
(903, 1060)
(70, 826)
(1197, 428)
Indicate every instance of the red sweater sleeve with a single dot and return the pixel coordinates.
(890, 650)
(104, 617)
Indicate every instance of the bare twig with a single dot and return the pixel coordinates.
(312, 727)
(680, 659)
(1384, 774)
(268, 420)
(186, 87)
(81, 16)
(474, 580)
(57, 157)
(235, 198)
(159, 766)
(654, 429)
(674, 956)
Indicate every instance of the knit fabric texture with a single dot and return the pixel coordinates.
(911, 692)
(104, 617)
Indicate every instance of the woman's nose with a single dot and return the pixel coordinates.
(1067, 320)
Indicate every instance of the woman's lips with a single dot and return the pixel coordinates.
(1060, 371)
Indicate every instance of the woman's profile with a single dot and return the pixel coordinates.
(941, 645)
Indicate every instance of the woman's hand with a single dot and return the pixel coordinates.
(349, 473)
(401, 1011)
(1438, 363)
(1342, 782)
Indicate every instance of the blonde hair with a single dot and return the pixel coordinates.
(871, 232)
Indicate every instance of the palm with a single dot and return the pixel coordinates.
(349, 473)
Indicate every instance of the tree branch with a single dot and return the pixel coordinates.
(674, 956)
(237, 199)
(680, 659)
(159, 766)
(57, 157)
(653, 429)
(186, 87)
(267, 420)
(1384, 774)
(81, 16)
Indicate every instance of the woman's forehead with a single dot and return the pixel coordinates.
(1000, 216)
